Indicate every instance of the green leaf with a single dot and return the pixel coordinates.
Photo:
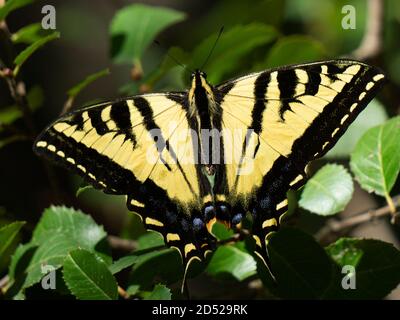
(375, 161)
(124, 263)
(133, 290)
(134, 27)
(232, 48)
(372, 116)
(19, 264)
(9, 114)
(30, 34)
(8, 242)
(221, 232)
(301, 267)
(233, 12)
(231, 261)
(20, 260)
(167, 64)
(74, 91)
(293, 49)
(150, 239)
(72, 224)
(146, 271)
(160, 292)
(88, 277)
(12, 5)
(376, 263)
(328, 191)
(149, 246)
(25, 54)
(35, 97)
(59, 231)
(82, 190)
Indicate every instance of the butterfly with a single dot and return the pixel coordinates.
(186, 160)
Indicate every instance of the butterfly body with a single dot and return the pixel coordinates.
(214, 153)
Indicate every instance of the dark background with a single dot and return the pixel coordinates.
(84, 48)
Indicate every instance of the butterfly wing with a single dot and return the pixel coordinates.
(125, 148)
(291, 116)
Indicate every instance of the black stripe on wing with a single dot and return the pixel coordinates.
(288, 172)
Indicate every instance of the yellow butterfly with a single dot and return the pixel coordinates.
(214, 153)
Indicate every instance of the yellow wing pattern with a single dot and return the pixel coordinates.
(124, 148)
(292, 115)
(147, 147)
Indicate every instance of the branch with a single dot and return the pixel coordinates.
(240, 235)
(18, 93)
(3, 282)
(371, 44)
(123, 294)
(122, 244)
(17, 89)
(335, 226)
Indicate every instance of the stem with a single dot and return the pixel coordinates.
(67, 105)
(391, 204)
(122, 244)
(4, 285)
(240, 235)
(335, 226)
(123, 293)
(18, 94)
(371, 44)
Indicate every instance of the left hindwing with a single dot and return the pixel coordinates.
(292, 115)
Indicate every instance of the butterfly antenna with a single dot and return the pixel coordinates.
(174, 59)
(212, 49)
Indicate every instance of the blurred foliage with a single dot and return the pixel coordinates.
(147, 22)
(257, 35)
(12, 5)
(25, 54)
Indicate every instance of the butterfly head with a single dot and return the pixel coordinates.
(198, 75)
(201, 94)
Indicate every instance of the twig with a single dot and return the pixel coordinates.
(123, 293)
(67, 105)
(335, 226)
(240, 235)
(122, 244)
(4, 282)
(371, 44)
(3, 285)
(18, 93)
